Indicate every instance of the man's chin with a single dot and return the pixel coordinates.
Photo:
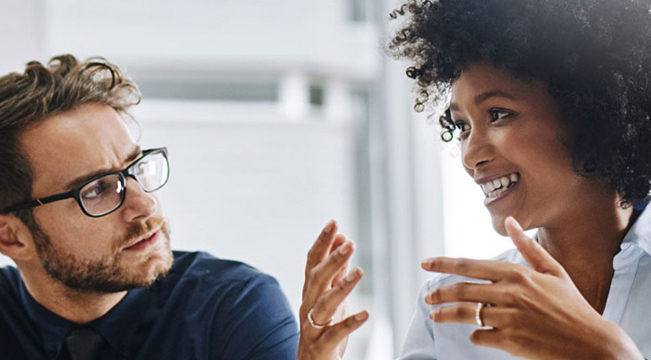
(142, 279)
(156, 267)
(128, 275)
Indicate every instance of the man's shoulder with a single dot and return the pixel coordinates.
(210, 270)
(9, 278)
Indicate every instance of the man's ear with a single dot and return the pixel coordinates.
(15, 238)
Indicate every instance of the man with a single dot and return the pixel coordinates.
(95, 276)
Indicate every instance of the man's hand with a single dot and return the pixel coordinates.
(324, 298)
(535, 313)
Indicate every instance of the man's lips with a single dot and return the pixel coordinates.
(145, 241)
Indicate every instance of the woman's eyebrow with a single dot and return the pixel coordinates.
(485, 96)
(491, 94)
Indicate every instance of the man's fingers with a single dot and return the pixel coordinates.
(339, 240)
(328, 303)
(319, 279)
(536, 256)
(338, 332)
(321, 246)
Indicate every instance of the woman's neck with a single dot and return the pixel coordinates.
(586, 244)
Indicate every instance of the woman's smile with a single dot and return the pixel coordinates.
(499, 187)
(513, 144)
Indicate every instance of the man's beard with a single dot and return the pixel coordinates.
(104, 275)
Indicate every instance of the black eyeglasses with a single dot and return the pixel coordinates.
(105, 194)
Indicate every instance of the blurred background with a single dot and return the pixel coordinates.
(280, 115)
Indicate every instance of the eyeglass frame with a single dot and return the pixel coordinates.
(75, 193)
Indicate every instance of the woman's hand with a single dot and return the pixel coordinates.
(323, 315)
(535, 313)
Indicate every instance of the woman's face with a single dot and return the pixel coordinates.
(512, 144)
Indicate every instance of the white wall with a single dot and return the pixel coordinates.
(21, 25)
(254, 34)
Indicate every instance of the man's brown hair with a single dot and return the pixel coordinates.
(41, 92)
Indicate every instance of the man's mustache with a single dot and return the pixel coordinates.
(137, 230)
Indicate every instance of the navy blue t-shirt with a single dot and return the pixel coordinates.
(205, 308)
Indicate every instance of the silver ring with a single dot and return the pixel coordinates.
(310, 319)
(478, 319)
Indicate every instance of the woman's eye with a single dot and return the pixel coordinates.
(462, 126)
(498, 114)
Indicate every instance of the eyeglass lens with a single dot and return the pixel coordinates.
(151, 172)
(107, 193)
(102, 195)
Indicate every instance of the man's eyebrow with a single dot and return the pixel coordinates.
(485, 96)
(84, 178)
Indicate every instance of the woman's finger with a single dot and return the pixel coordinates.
(466, 313)
(488, 337)
(536, 256)
(477, 269)
(466, 292)
(327, 304)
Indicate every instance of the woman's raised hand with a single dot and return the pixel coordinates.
(535, 313)
(324, 321)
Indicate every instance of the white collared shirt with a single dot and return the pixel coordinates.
(628, 305)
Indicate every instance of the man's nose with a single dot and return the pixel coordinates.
(138, 204)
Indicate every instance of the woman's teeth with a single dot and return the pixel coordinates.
(497, 186)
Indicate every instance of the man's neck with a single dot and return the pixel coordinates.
(80, 307)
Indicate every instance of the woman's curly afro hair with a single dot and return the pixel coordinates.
(594, 56)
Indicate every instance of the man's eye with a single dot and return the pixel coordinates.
(94, 190)
(141, 168)
(497, 114)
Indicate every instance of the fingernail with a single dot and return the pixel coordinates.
(361, 316)
(515, 223)
(345, 248)
(432, 315)
(427, 263)
(352, 276)
(329, 226)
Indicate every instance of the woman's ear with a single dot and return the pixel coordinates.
(16, 240)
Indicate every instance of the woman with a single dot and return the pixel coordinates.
(550, 101)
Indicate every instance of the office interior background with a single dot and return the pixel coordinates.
(280, 115)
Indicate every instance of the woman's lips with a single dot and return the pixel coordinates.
(144, 244)
(506, 192)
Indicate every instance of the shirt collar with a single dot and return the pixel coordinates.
(117, 326)
(122, 325)
(640, 233)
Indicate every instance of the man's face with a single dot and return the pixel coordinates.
(126, 249)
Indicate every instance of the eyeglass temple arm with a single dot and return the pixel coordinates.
(37, 202)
